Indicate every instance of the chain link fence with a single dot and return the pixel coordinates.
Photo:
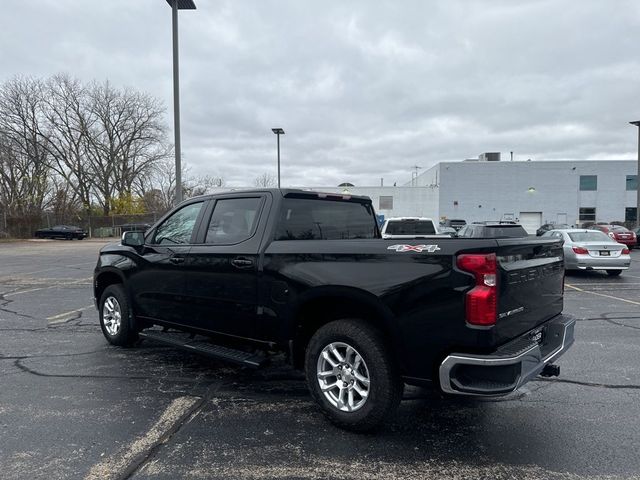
(97, 226)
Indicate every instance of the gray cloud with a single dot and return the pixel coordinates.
(363, 89)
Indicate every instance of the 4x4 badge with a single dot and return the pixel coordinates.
(414, 248)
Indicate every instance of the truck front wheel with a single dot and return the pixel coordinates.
(352, 375)
(114, 316)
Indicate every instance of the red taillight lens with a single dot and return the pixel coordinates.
(580, 250)
(625, 251)
(482, 300)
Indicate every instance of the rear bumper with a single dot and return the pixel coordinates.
(512, 365)
(586, 262)
(629, 242)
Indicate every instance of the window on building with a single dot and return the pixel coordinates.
(386, 203)
(587, 214)
(588, 182)
(630, 214)
(632, 182)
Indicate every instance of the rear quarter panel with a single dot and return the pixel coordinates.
(419, 294)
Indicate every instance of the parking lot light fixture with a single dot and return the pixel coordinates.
(175, 6)
(637, 124)
(278, 132)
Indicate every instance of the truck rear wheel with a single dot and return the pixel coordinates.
(114, 316)
(352, 375)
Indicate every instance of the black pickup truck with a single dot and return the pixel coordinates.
(242, 275)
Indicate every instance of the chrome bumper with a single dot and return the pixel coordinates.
(510, 366)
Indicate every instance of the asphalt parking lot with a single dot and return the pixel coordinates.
(71, 406)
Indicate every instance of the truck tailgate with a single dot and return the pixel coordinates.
(531, 278)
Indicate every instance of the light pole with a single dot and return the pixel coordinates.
(175, 6)
(637, 124)
(278, 132)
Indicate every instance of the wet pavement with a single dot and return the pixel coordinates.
(71, 406)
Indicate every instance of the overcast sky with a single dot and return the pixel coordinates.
(363, 89)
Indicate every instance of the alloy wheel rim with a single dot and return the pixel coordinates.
(111, 315)
(343, 376)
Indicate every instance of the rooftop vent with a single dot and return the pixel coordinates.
(489, 157)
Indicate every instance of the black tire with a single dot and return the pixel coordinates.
(385, 388)
(614, 273)
(125, 334)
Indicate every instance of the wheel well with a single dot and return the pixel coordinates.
(103, 281)
(320, 311)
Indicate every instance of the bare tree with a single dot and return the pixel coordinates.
(159, 187)
(24, 162)
(125, 141)
(65, 142)
(65, 135)
(266, 180)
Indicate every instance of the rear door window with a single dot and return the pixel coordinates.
(310, 219)
(233, 220)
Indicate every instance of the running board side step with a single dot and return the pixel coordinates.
(187, 341)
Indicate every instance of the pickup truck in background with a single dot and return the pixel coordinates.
(242, 275)
(408, 228)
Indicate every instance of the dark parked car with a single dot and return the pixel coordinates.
(619, 233)
(493, 230)
(552, 226)
(67, 232)
(242, 274)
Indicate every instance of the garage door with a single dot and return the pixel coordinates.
(531, 221)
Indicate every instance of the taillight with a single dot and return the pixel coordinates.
(580, 250)
(625, 251)
(481, 302)
(612, 235)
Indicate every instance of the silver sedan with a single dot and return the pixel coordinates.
(592, 250)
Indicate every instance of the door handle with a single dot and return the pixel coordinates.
(242, 262)
(176, 260)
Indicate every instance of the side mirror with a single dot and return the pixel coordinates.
(133, 239)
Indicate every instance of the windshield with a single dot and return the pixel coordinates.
(620, 229)
(410, 227)
(589, 237)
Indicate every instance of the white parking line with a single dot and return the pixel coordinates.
(20, 292)
(602, 295)
(63, 317)
(58, 267)
(113, 466)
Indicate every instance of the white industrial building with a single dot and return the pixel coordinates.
(533, 192)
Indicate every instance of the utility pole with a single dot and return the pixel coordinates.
(175, 6)
(414, 175)
(278, 132)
